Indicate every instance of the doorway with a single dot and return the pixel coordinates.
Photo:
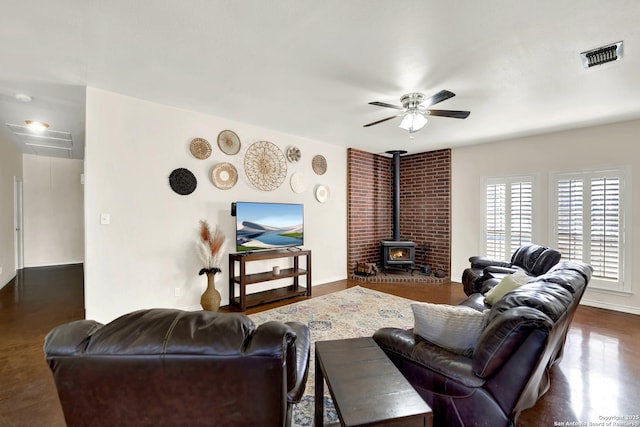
(17, 222)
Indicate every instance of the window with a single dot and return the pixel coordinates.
(508, 215)
(589, 223)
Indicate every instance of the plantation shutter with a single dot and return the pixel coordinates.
(590, 224)
(509, 216)
(521, 229)
(605, 227)
(570, 219)
(495, 225)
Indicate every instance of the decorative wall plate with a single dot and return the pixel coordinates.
(322, 193)
(229, 142)
(182, 181)
(265, 165)
(297, 182)
(293, 154)
(224, 176)
(319, 164)
(200, 148)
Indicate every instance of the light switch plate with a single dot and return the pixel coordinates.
(105, 219)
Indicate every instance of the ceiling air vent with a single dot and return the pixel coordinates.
(601, 55)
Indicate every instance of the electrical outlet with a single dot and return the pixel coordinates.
(105, 219)
(0, 270)
(176, 292)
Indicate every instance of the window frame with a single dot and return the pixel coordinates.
(623, 173)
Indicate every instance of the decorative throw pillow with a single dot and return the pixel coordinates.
(507, 284)
(456, 328)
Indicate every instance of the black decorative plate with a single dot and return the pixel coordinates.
(182, 181)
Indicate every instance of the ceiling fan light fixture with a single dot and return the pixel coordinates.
(36, 126)
(413, 121)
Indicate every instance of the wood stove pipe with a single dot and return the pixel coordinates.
(396, 192)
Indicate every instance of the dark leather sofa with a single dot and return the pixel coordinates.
(531, 259)
(165, 367)
(509, 368)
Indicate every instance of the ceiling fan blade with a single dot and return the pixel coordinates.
(384, 104)
(443, 95)
(450, 113)
(380, 121)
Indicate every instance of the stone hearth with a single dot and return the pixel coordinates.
(393, 276)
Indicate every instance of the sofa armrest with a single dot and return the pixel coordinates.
(405, 344)
(301, 361)
(494, 269)
(482, 262)
(70, 338)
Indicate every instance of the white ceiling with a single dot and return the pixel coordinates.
(309, 67)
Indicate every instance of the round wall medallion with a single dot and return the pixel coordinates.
(182, 181)
(224, 176)
(322, 193)
(297, 182)
(229, 142)
(293, 154)
(319, 164)
(265, 165)
(200, 148)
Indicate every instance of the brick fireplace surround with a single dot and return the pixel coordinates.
(425, 206)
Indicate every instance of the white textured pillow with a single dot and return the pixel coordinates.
(456, 328)
(507, 284)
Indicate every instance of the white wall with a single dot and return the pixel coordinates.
(10, 167)
(594, 147)
(149, 248)
(53, 211)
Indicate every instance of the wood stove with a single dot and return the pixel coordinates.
(397, 252)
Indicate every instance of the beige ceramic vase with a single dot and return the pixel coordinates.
(210, 299)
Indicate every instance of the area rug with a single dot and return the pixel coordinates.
(351, 313)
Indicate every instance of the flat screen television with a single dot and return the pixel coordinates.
(264, 226)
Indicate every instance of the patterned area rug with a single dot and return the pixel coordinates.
(351, 313)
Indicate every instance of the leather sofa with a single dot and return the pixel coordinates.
(509, 369)
(531, 259)
(165, 367)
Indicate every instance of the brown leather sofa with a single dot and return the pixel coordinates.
(165, 367)
(531, 259)
(509, 368)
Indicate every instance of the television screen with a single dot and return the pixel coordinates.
(262, 226)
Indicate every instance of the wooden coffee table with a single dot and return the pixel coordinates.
(366, 388)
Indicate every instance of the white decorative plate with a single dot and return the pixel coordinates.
(298, 184)
(322, 193)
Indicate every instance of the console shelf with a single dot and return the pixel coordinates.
(244, 300)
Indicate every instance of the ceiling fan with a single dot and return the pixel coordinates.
(415, 110)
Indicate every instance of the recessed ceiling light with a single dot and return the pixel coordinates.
(36, 125)
(23, 97)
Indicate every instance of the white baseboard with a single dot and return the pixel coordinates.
(54, 264)
(609, 306)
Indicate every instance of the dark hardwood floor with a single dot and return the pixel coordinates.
(598, 377)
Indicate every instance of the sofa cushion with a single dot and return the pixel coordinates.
(526, 256)
(549, 298)
(456, 328)
(507, 284)
(164, 331)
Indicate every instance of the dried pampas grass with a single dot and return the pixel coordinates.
(210, 247)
